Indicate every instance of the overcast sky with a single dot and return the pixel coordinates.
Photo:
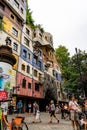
(66, 20)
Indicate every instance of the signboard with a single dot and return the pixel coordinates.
(5, 74)
(3, 95)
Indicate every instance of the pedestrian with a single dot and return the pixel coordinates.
(62, 111)
(66, 112)
(4, 106)
(29, 107)
(52, 112)
(74, 109)
(36, 112)
(19, 106)
(83, 119)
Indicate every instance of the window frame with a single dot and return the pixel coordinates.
(14, 32)
(15, 46)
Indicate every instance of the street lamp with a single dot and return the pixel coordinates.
(79, 70)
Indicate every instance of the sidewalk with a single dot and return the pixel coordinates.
(45, 125)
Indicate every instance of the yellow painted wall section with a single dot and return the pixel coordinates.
(13, 78)
(16, 65)
(8, 28)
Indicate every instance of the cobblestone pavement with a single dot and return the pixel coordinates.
(45, 125)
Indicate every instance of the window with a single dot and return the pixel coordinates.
(21, 10)
(15, 46)
(16, 3)
(8, 42)
(46, 38)
(40, 52)
(15, 32)
(27, 31)
(19, 21)
(24, 83)
(23, 67)
(2, 6)
(35, 34)
(39, 64)
(40, 35)
(24, 53)
(35, 60)
(40, 77)
(28, 69)
(35, 73)
(12, 16)
(29, 85)
(29, 56)
(36, 87)
(26, 41)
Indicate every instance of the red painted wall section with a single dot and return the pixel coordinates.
(24, 91)
(37, 94)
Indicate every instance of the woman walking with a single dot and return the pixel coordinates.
(74, 109)
(52, 112)
(36, 112)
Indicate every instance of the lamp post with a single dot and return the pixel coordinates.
(79, 70)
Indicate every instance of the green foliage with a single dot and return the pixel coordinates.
(1, 24)
(63, 58)
(40, 27)
(74, 69)
(29, 19)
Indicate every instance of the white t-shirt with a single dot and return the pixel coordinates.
(74, 106)
(4, 106)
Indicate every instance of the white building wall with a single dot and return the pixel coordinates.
(29, 37)
(3, 37)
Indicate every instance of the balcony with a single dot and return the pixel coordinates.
(37, 42)
(18, 8)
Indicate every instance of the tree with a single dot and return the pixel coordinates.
(74, 70)
(63, 58)
(78, 71)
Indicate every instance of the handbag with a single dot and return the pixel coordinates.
(37, 115)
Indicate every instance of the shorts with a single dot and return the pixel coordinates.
(52, 113)
(72, 115)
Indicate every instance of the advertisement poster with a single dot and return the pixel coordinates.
(5, 73)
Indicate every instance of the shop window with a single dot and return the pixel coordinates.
(36, 87)
(29, 85)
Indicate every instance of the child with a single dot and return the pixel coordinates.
(83, 119)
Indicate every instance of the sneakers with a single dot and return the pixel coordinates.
(50, 122)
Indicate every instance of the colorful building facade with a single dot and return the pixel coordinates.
(36, 70)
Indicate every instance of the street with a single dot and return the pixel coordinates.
(44, 125)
